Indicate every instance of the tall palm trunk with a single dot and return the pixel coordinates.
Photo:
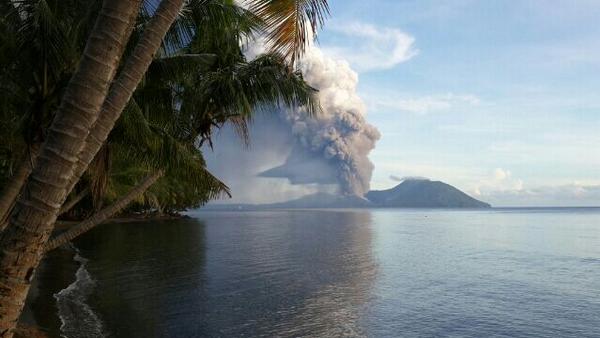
(22, 242)
(103, 214)
(15, 184)
(73, 201)
(129, 77)
(120, 92)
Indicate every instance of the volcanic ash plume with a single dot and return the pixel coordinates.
(340, 138)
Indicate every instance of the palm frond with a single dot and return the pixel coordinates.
(99, 176)
(152, 146)
(236, 93)
(290, 23)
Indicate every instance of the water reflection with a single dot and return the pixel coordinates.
(147, 274)
(407, 273)
(338, 308)
(287, 273)
(486, 273)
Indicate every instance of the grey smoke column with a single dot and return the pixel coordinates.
(340, 138)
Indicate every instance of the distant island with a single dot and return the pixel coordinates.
(423, 193)
(410, 193)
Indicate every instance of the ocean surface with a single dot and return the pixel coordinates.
(340, 273)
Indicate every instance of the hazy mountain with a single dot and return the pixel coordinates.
(411, 193)
(422, 193)
(313, 201)
(323, 200)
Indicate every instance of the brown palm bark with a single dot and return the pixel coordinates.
(104, 214)
(22, 242)
(73, 201)
(15, 184)
(129, 77)
(119, 95)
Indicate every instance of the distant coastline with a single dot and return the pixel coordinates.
(410, 193)
(259, 207)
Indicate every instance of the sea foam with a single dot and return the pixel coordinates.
(77, 317)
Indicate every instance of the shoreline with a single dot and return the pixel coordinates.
(184, 289)
(57, 270)
(131, 218)
(40, 315)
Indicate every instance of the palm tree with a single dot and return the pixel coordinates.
(24, 238)
(40, 45)
(12, 189)
(47, 36)
(290, 23)
(69, 148)
(183, 97)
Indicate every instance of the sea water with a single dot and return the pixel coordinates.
(343, 273)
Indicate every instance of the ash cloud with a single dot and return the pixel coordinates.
(238, 166)
(339, 138)
(324, 153)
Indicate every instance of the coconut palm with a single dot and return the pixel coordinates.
(32, 219)
(56, 31)
(179, 104)
(40, 45)
(291, 23)
(87, 113)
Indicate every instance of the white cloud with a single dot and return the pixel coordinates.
(554, 150)
(421, 104)
(498, 186)
(368, 47)
(501, 174)
(573, 194)
(502, 189)
(501, 180)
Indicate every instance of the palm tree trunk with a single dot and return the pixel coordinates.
(103, 214)
(129, 77)
(22, 242)
(15, 184)
(71, 203)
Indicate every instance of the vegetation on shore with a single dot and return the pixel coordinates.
(106, 103)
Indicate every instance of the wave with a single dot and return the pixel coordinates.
(76, 316)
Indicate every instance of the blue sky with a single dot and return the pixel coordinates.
(499, 98)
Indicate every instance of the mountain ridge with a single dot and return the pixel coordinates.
(410, 193)
(424, 193)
